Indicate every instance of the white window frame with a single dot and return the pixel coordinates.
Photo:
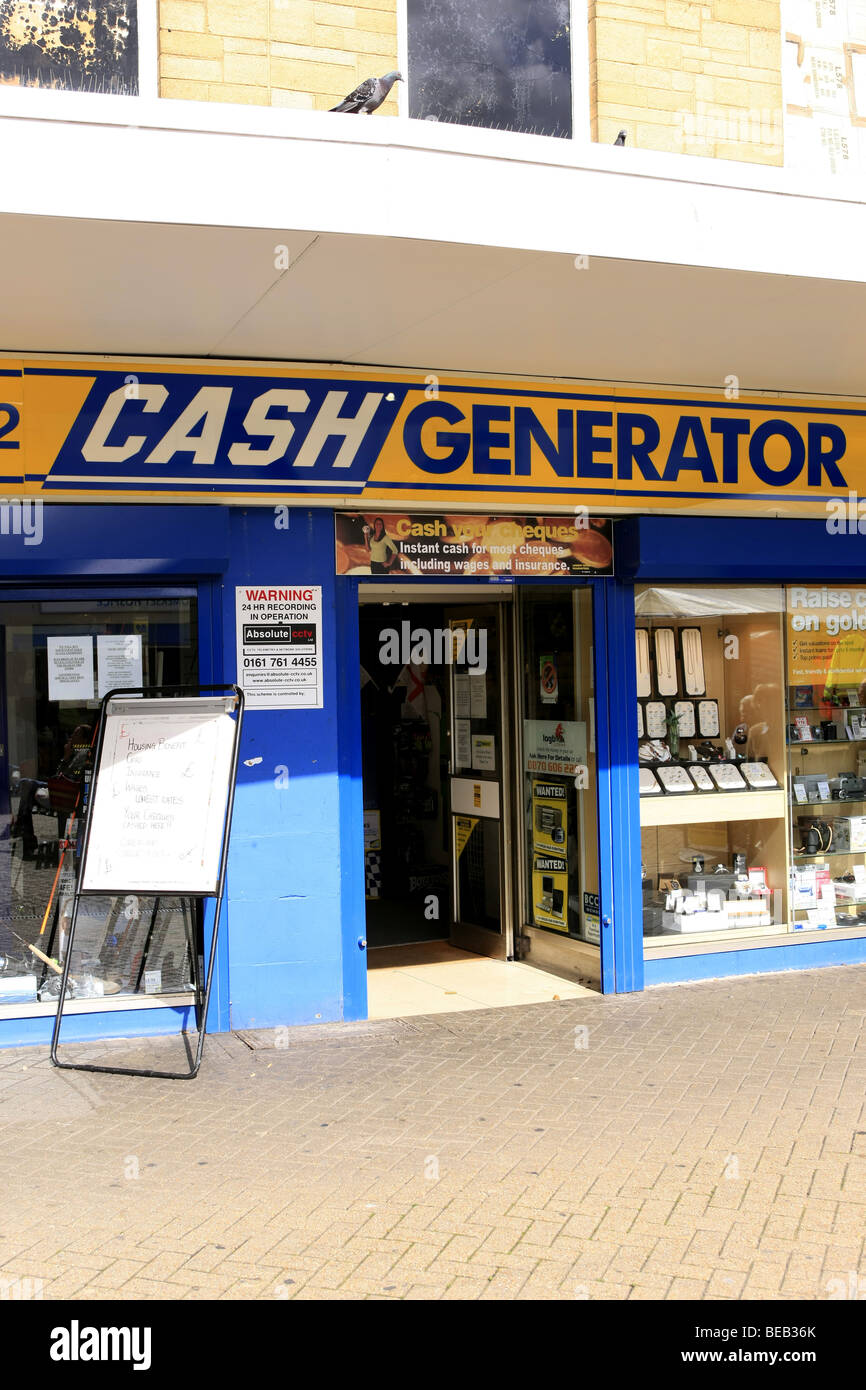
(578, 25)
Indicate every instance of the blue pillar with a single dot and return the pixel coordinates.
(622, 964)
(295, 886)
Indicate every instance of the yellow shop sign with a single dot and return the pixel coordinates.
(72, 428)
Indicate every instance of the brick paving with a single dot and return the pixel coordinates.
(708, 1141)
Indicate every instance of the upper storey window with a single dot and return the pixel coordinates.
(70, 45)
(502, 64)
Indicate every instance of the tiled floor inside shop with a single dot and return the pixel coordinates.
(435, 977)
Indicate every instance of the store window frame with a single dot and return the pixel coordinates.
(16, 591)
(581, 91)
(745, 940)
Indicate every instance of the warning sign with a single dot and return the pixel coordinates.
(463, 828)
(279, 646)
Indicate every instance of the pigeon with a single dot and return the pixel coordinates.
(620, 139)
(369, 95)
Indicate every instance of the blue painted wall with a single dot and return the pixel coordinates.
(294, 913)
(295, 887)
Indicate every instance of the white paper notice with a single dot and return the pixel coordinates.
(483, 753)
(70, 668)
(118, 662)
(462, 697)
(463, 751)
(478, 697)
(279, 646)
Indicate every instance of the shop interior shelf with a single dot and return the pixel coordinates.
(840, 905)
(823, 742)
(849, 801)
(797, 858)
(837, 709)
(701, 808)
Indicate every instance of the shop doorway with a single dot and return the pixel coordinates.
(480, 776)
(436, 758)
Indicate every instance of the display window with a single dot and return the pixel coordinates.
(826, 736)
(58, 657)
(712, 763)
(751, 716)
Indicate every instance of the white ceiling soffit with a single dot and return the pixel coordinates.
(93, 287)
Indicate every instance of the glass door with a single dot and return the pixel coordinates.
(479, 780)
(557, 775)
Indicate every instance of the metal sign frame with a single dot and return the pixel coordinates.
(202, 987)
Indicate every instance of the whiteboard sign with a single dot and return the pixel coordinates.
(160, 795)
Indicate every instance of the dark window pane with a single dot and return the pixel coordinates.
(503, 64)
(74, 45)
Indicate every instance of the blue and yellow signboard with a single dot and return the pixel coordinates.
(71, 428)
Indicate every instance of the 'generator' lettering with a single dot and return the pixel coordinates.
(612, 445)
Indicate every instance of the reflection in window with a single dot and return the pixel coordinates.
(502, 64)
(74, 45)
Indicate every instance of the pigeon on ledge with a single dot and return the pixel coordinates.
(621, 138)
(369, 95)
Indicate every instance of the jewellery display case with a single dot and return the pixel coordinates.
(713, 807)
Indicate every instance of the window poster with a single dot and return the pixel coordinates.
(70, 668)
(118, 662)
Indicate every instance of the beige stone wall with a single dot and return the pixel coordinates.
(691, 78)
(302, 53)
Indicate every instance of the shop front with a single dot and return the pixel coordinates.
(571, 678)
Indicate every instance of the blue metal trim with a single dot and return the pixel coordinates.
(621, 694)
(95, 1026)
(210, 667)
(353, 916)
(798, 955)
(736, 549)
(605, 792)
(121, 541)
(38, 593)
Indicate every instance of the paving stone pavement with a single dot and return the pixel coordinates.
(703, 1141)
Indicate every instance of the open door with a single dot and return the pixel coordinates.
(480, 780)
